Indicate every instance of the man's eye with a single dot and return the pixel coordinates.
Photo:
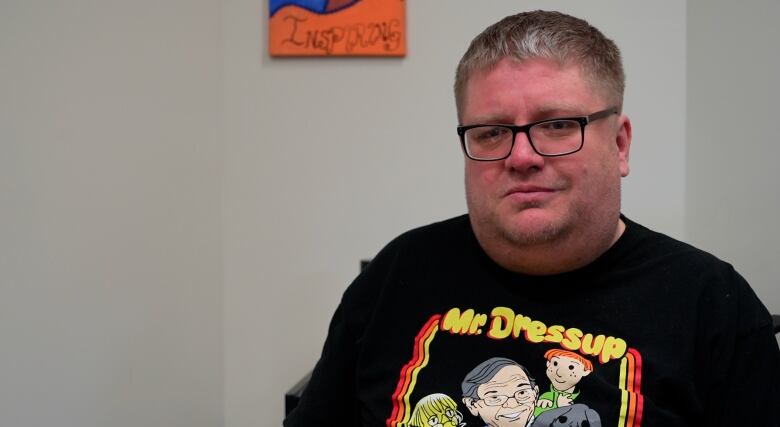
(559, 127)
(433, 420)
(449, 413)
(562, 124)
(488, 134)
(492, 400)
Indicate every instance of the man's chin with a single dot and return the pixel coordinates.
(532, 226)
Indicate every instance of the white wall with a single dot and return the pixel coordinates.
(110, 258)
(328, 159)
(733, 202)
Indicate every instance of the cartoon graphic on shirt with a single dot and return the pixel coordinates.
(436, 410)
(501, 392)
(576, 415)
(564, 369)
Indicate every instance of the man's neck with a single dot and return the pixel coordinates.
(573, 251)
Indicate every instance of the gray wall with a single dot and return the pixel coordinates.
(110, 233)
(733, 200)
(179, 213)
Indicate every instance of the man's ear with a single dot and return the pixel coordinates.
(586, 372)
(469, 402)
(623, 143)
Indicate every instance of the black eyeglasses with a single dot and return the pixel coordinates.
(549, 138)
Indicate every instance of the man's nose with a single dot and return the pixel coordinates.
(523, 156)
(514, 404)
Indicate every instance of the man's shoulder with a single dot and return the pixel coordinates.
(435, 236)
(417, 247)
(458, 226)
(664, 259)
(715, 282)
(408, 256)
(653, 245)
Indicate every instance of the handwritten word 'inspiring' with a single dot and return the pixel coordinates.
(351, 37)
(504, 323)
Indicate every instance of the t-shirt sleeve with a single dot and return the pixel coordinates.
(748, 390)
(329, 398)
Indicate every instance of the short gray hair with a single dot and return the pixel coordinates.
(485, 371)
(549, 35)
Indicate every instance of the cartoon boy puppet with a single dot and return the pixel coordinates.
(564, 369)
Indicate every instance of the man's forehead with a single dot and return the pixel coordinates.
(540, 87)
(555, 104)
(508, 375)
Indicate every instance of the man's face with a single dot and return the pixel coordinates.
(507, 400)
(564, 372)
(527, 199)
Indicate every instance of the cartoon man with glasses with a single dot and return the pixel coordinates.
(501, 392)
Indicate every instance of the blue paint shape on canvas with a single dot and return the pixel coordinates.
(316, 6)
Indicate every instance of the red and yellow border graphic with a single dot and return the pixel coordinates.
(401, 408)
(631, 402)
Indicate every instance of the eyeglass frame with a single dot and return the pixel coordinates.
(502, 398)
(582, 120)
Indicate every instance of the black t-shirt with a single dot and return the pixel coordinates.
(652, 333)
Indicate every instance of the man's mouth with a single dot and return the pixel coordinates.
(512, 416)
(529, 194)
(528, 189)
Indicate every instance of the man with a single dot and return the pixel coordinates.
(501, 392)
(544, 260)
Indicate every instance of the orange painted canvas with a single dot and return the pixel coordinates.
(337, 27)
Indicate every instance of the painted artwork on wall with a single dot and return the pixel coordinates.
(337, 27)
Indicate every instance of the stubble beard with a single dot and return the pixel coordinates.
(519, 234)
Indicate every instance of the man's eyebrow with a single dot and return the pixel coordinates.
(550, 111)
(492, 119)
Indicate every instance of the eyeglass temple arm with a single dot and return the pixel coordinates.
(601, 114)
